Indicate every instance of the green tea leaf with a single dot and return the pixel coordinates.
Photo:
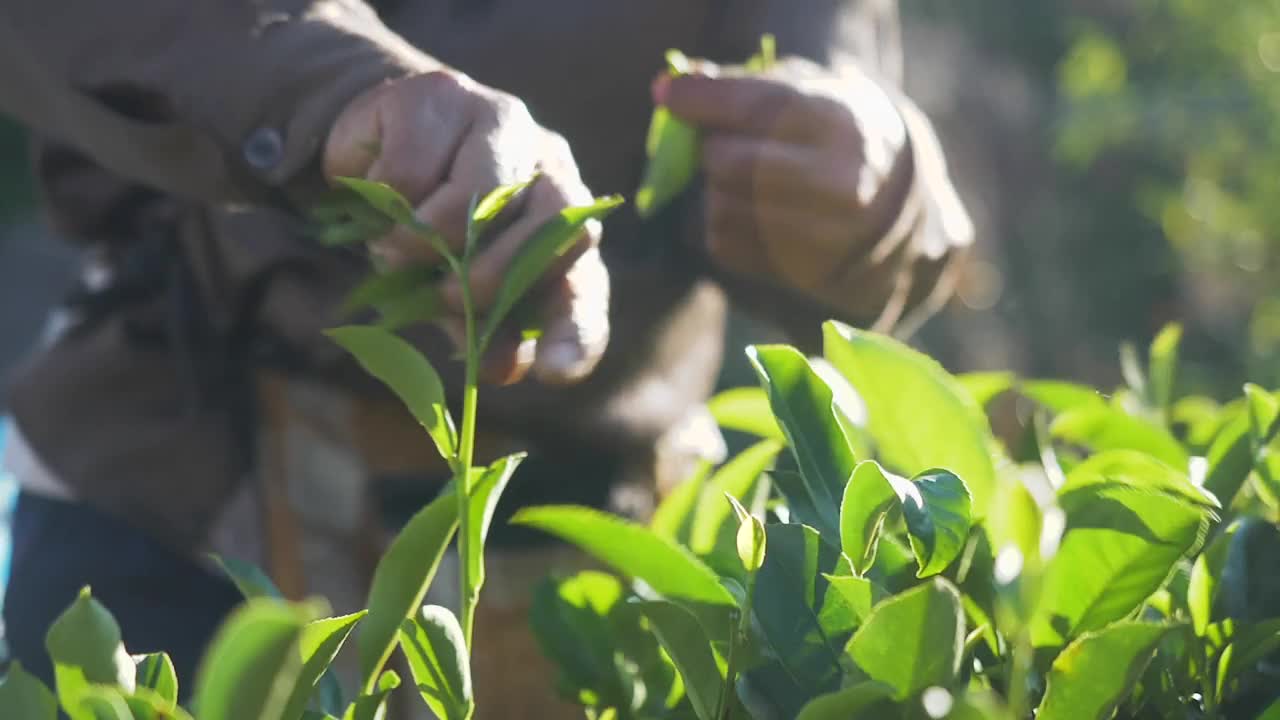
(438, 659)
(491, 206)
(253, 664)
(735, 478)
(404, 297)
(373, 706)
(1110, 428)
(1250, 646)
(866, 697)
(1163, 367)
(384, 199)
(24, 696)
(1263, 408)
(751, 540)
(401, 580)
(249, 579)
(860, 594)
(410, 376)
(1096, 672)
(1119, 547)
(686, 642)
(146, 704)
(936, 508)
(319, 644)
(803, 622)
(984, 387)
(914, 640)
(1059, 396)
(672, 147)
(804, 407)
(1272, 712)
(1138, 471)
(630, 549)
(674, 517)
(485, 494)
(155, 672)
(918, 414)
(1206, 576)
(1229, 459)
(868, 497)
(746, 410)
(553, 239)
(102, 702)
(85, 647)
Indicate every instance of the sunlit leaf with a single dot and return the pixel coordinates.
(914, 640)
(438, 659)
(1098, 670)
(745, 409)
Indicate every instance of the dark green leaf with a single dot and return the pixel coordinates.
(686, 642)
(918, 414)
(746, 409)
(253, 662)
(984, 387)
(1164, 365)
(85, 647)
(630, 549)
(350, 233)
(372, 706)
(410, 376)
(401, 580)
(155, 672)
(1138, 471)
(403, 297)
(250, 580)
(1250, 646)
(1095, 673)
(318, 646)
(937, 509)
(914, 640)
(1119, 547)
(1110, 428)
(1059, 396)
(438, 658)
(540, 252)
(1272, 712)
(736, 479)
(868, 497)
(803, 623)
(23, 696)
(485, 494)
(804, 407)
(868, 697)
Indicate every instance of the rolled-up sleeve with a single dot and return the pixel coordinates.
(910, 271)
(221, 101)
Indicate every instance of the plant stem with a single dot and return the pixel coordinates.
(469, 592)
(724, 704)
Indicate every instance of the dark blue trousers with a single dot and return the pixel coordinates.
(162, 600)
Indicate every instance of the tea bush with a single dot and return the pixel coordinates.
(876, 553)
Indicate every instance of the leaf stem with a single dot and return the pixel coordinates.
(469, 592)
(725, 704)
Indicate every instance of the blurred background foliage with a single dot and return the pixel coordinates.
(1119, 158)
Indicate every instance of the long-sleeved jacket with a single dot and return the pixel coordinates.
(179, 144)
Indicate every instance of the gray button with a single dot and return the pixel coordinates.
(264, 149)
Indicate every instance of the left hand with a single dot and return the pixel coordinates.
(804, 175)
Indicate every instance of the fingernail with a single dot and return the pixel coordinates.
(661, 88)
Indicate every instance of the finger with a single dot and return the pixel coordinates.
(508, 357)
(783, 172)
(446, 212)
(575, 323)
(751, 105)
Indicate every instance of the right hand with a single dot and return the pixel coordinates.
(441, 139)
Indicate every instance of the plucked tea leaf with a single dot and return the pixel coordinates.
(410, 376)
(1097, 671)
(918, 414)
(630, 549)
(672, 147)
(913, 640)
(401, 580)
(438, 658)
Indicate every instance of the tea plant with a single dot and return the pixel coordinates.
(879, 554)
